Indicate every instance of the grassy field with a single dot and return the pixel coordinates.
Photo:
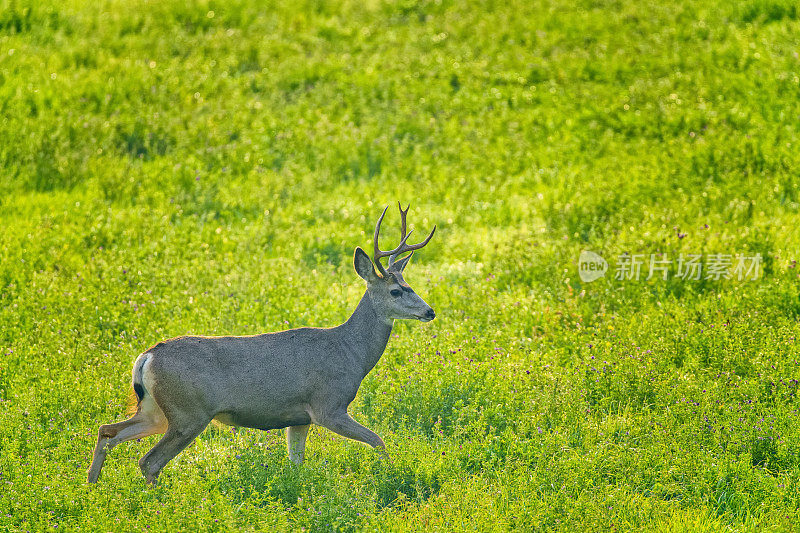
(168, 168)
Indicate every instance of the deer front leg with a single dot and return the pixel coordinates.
(344, 425)
(296, 442)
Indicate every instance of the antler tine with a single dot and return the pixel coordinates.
(376, 254)
(411, 247)
(403, 218)
(403, 214)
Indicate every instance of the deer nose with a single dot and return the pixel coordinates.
(430, 314)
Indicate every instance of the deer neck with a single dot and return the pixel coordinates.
(368, 332)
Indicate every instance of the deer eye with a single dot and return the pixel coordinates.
(396, 293)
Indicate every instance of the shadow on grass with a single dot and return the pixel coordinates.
(329, 494)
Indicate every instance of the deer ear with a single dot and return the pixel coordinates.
(400, 264)
(364, 266)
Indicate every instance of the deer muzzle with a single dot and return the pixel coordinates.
(429, 315)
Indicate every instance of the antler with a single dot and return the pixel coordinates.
(393, 254)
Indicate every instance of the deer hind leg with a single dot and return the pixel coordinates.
(148, 420)
(296, 442)
(344, 425)
(177, 437)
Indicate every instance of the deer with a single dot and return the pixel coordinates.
(287, 379)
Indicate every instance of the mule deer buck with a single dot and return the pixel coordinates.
(289, 379)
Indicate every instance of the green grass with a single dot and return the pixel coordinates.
(209, 168)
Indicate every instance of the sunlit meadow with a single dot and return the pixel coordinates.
(208, 167)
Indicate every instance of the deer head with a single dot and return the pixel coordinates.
(391, 296)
